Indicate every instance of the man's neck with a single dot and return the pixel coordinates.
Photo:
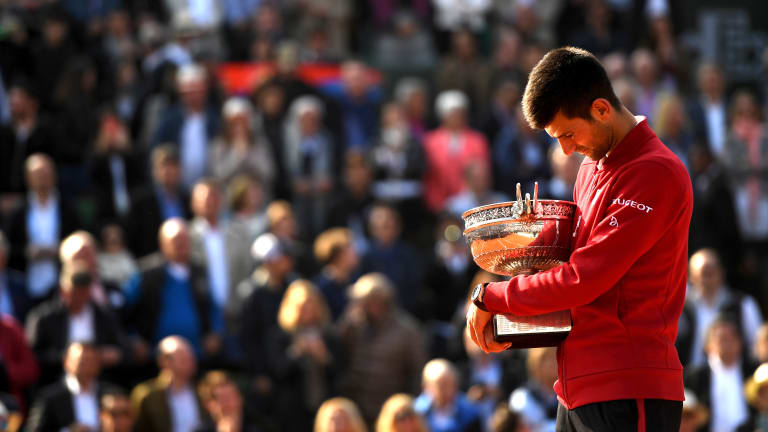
(624, 123)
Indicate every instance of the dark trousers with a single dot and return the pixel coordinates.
(630, 415)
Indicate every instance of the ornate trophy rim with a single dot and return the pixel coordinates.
(515, 211)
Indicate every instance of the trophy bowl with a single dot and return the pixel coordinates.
(523, 237)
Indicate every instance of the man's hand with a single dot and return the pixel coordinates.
(480, 330)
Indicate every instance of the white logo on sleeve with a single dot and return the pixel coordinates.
(614, 222)
(634, 204)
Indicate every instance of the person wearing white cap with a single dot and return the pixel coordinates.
(241, 147)
(449, 149)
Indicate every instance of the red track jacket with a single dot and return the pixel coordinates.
(625, 281)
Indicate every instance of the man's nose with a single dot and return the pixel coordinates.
(567, 147)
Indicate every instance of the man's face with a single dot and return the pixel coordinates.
(82, 362)
(588, 137)
(116, 414)
(206, 201)
(182, 362)
(167, 173)
(725, 343)
(175, 245)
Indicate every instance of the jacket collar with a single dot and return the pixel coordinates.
(630, 146)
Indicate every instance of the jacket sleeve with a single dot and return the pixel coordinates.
(623, 234)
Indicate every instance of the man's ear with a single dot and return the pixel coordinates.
(601, 110)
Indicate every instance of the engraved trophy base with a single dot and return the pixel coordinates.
(532, 331)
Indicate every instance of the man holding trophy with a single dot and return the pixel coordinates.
(624, 281)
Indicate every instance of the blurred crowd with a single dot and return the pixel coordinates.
(181, 254)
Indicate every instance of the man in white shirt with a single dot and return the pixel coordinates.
(708, 297)
(73, 402)
(169, 402)
(719, 383)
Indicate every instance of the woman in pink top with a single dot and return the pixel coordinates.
(449, 149)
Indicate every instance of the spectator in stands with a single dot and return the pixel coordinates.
(208, 243)
(350, 206)
(520, 155)
(411, 93)
(671, 125)
(116, 170)
(442, 405)
(260, 297)
(398, 165)
(335, 249)
(383, 345)
(465, 70)
(73, 317)
(309, 159)
(536, 401)
(18, 365)
(339, 415)
(397, 415)
(503, 109)
(116, 414)
(453, 16)
(73, 402)
(304, 355)
(761, 344)
(172, 297)
(81, 246)
(479, 181)
(707, 110)
(449, 149)
(223, 400)
(36, 228)
(191, 124)
(719, 382)
(564, 169)
(746, 158)
(713, 222)
(162, 200)
(406, 50)
(241, 148)
(645, 70)
(271, 106)
(115, 263)
(359, 101)
(757, 397)
(391, 256)
(14, 299)
(169, 402)
(28, 132)
(284, 225)
(708, 297)
(600, 35)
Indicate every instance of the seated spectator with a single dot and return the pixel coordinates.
(222, 398)
(18, 365)
(339, 415)
(449, 149)
(441, 403)
(536, 401)
(564, 169)
(154, 204)
(397, 415)
(394, 258)
(335, 249)
(707, 109)
(464, 68)
(283, 224)
(707, 297)
(242, 147)
(406, 50)
(478, 178)
(719, 383)
(671, 126)
(304, 355)
(412, 94)
(169, 402)
(695, 415)
(73, 316)
(260, 296)
(36, 228)
(384, 346)
(504, 420)
(116, 168)
(115, 263)
(190, 124)
(645, 69)
(309, 155)
(172, 297)
(246, 198)
(116, 414)
(14, 299)
(73, 402)
(756, 391)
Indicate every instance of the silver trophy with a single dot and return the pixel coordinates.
(523, 237)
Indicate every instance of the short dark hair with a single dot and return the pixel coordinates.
(566, 79)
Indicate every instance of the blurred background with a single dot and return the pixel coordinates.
(245, 215)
